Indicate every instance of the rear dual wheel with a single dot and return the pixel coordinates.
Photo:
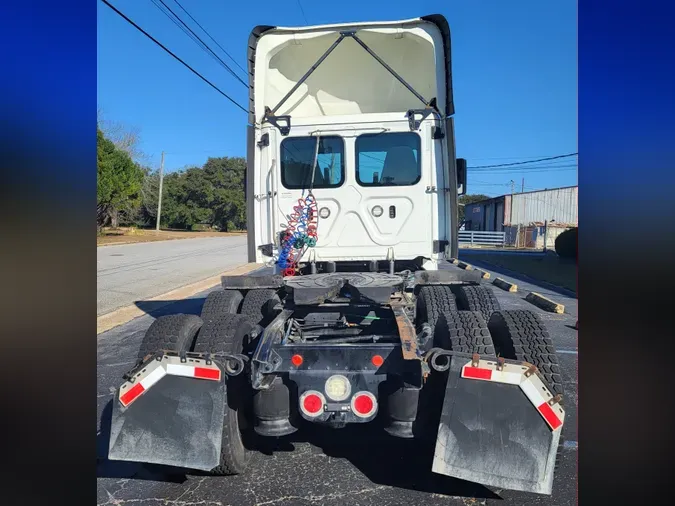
(221, 302)
(477, 298)
(231, 333)
(226, 333)
(257, 305)
(174, 332)
(432, 301)
(521, 335)
(461, 331)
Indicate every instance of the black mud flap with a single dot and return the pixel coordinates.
(178, 422)
(491, 433)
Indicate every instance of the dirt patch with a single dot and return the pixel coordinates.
(130, 235)
(549, 268)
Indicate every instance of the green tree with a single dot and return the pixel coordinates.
(119, 182)
(227, 177)
(468, 199)
(211, 195)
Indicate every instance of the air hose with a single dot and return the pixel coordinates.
(300, 234)
(301, 230)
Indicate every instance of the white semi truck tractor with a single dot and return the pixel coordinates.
(352, 185)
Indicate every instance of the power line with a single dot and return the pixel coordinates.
(552, 168)
(176, 22)
(172, 54)
(201, 43)
(303, 12)
(522, 163)
(553, 164)
(508, 157)
(207, 33)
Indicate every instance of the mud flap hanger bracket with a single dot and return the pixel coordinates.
(270, 114)
(505, 371)
(232, 364)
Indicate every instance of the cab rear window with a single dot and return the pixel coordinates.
(297, 155)
(388, 159)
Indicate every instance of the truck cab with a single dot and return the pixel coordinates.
(358, 115)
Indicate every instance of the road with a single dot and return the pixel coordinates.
(357, 465)
(131, 272)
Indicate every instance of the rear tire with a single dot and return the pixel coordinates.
(174, 332)
(464, 332)
(461, 331)
(258, 305)
(478, 298)
(230, 333)
(521, 335)
(221, 302)
(432, 300)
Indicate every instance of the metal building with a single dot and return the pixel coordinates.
(558, 205)
(526, 218)
(486, 215)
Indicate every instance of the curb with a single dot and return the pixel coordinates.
(544, 303)
(505, 285)
(125, 314)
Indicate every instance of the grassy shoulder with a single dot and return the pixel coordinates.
(134, 235)
(549, 268)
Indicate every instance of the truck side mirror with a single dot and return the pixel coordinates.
(376, 178)
(461, 175)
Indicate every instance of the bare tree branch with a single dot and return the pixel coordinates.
(122, 136)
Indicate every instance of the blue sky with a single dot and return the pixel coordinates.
(514, 67)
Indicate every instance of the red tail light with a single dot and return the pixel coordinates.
(364, 404)
(312, 403)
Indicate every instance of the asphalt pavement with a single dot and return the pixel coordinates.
(357, 465)
(131, 272)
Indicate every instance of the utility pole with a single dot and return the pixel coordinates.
(513, 190)
(159, 198)
(522, 190)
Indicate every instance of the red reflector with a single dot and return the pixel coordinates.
(312, 403)
(296, 360)
(377, 360)
(363, 404)
(131, 394)
(204, 373)
(550, 416)
(477, 373)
